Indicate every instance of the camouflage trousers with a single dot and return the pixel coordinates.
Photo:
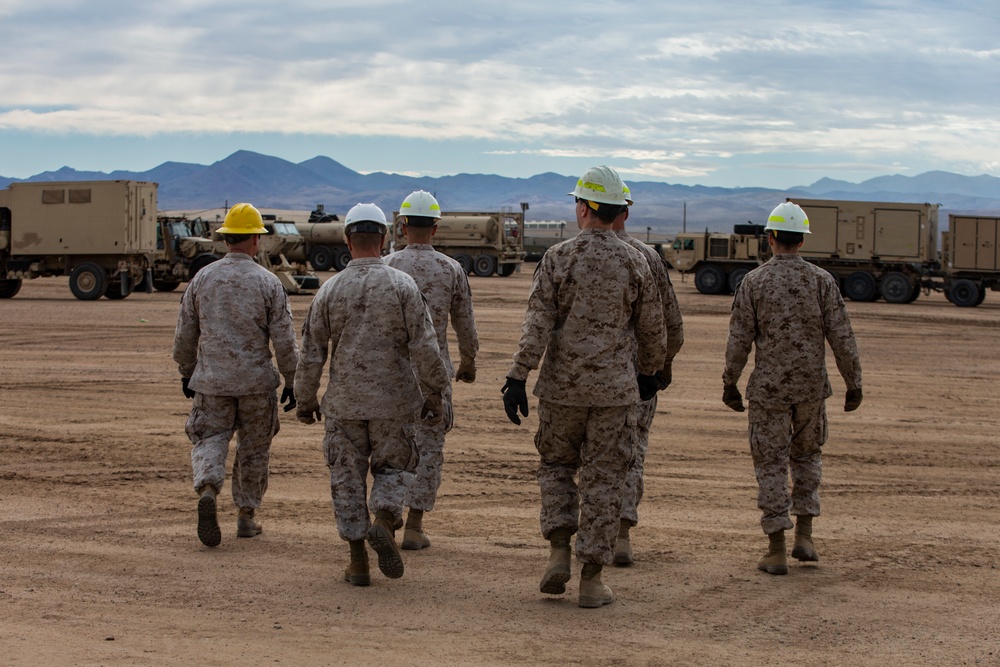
(597, 443)
(430, 446)
(210, 427)
(634, 485)
(352, 448)
(787, 439)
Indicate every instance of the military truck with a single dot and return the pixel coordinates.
(102, 234)
(283, 240)
(719, 261)
(183, 249)
(483, 243)
(970, 258)
(324, 245)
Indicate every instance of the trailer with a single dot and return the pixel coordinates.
(102, 234)
(484, 243)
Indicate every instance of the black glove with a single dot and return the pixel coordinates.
(288, 394)
(664, 376)
(515, 397)
(648, 386)
(732, 397)
(188, 393)
(852, 400)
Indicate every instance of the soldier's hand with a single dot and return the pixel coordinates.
(515, 398)
(648, 386)
(288, 394)
(308, 414)
(665, 376)
(466, 372)
(188, 393)
(852, 400)
(433, 410)
(732, 397)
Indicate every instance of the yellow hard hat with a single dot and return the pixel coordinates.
(243, 219)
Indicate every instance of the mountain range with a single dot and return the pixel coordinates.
(271, 182)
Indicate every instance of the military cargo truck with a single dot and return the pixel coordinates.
(282, 241)
(970, 258)
(719, 261)
(102, 234)
(483, 243)
(183, 249)
(324, 245)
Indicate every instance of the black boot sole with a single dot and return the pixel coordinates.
(208, 524)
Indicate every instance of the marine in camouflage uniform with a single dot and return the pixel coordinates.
(674, 330)
(230, 312)
(587, 297)
(789, 309)
(373, 322)
(445, 287)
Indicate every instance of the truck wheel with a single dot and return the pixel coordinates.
(736, 277)
(465, 261)
(982, 294)
(915, 294)
(165, 285)
(341, 258)
(199, 263)
(964, 293)
(484, 266)
(710, 280)
(88, 282)
(8, 288)
(896, 287)
(506, 269)
(860, 286)
(321, 258)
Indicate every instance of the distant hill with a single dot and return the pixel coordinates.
(271, 182)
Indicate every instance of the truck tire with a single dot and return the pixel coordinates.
(88, 282)
(8, 288)
(736, 277)
(860, 286)
(506, 270)
(199, 263)
(915, 294)
(165, 285)
(465, 261)
(341, 258)
(896, 287)
(710, 280)
(321, 258)
(982, 294)
(964, 293)
(484, 266)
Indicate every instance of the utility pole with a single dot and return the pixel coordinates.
(685, 221)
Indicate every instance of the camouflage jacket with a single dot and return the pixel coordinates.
(230, 312)
(789, 308)
(373, 322)
(671, 311)
(588, 294)
(445, 286)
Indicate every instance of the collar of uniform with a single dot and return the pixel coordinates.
(790, 256)
(365, 260)
(597, 230)
(239, 256)
(420, 246)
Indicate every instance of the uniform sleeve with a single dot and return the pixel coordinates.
(840, 335)
(282, 333)
(539, 319)
(187, 333)
(463, 321)
(671, 311)
(648, 324)
(316, 335)
(425, 356)
(742, 332)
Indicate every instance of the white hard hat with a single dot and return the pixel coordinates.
(602, 185)
(788, 217)
(360, 213)
(628, 195)
(422, 204)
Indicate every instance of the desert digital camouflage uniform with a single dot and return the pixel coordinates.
(789, 308)
(372, 321)
(588, 293)
(674, 330)
(229, 313)
(445, 287)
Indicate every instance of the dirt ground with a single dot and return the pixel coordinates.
(100, 563)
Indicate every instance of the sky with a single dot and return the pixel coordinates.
(771, 93)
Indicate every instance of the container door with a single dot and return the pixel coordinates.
(897, 233)
(822, 241)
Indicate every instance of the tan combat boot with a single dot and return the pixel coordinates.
(803, 548)
(558, 572)
(774, 561)
(593, 593)
(246, 525)
(382, 538)
(208, 523)
(623, 546)
(357, 573)
(414, 537)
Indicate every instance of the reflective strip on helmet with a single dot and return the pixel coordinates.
(590, 185)
(405, 204)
